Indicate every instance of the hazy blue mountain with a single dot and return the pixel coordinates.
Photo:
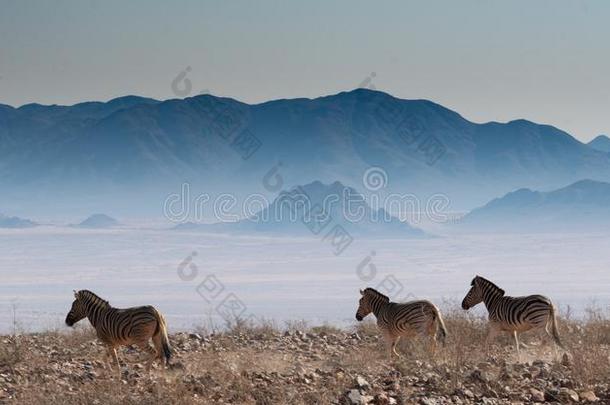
(584, 205)
(601, 143)
(98, 221)
(128, 154)
(317, 209)
(15, 222)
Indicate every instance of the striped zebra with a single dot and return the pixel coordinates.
(402, 319)
(512, 314)
(122, 327)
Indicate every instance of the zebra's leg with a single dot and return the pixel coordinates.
(516, 335)
(390, 342)
(116, 360)
(491, 334)
(433, 345)
(431, 332)
(388, 346)
(394, 346)
(108, 358)
(552, 340)
(158, 343)
(106, 363)
(145, 346)
(112, 353)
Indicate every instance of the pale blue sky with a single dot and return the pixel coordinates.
(547, 61)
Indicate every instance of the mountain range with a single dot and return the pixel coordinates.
(581, 206)
(15, 222)
(128, 154)
(601, 143)
(97, 221)
(317, 208)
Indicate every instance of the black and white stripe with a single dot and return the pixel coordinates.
(512, 314)
(402, 319)
(122, 327)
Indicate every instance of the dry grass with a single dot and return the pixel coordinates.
(11, 352)
(587, 341)
(297, 364)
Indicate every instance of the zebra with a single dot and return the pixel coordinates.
(512, 314)
(122, 327)
(402, 319)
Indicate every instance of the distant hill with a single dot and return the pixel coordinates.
(131, 152)
(15, 222)
(581, 206)
(98, 221)
(317, 208)
(601, 143)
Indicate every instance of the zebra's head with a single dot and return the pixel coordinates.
(365, 306)
(474, 296)
(77, 312)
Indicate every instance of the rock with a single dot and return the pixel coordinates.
(362, 383)
(588, 396)
(551, 395)
(323, 372)
(565, 360)
(468, 394)
(456, 400)
(353, 396)
(567, 395)
(356, 398)
(537, 395)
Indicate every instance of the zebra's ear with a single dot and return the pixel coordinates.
(75, 294)
(361, 292)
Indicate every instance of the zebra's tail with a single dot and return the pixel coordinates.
(162, 330)
(441, 334)
(554, 332)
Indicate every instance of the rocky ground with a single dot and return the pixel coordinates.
(323, 365)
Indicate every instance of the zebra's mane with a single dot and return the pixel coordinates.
(93, 298)
(487, 283)
(376, 294)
